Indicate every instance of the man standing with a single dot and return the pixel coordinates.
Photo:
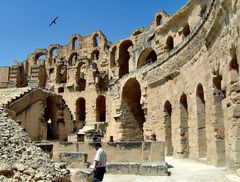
(99, 164)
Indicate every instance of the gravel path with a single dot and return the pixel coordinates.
(183, 170)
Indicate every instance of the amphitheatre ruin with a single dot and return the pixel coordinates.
(171, 89)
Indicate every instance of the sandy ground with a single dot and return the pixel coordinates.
(183, 170)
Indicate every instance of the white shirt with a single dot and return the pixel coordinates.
(101, 156)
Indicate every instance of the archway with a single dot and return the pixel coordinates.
(169, 43)
(50, 115)
(201, 121)
(148, 55)
(95, 55)
(168, 128)
(101, 109)
(81, 110)
(124, 57)
(184, 138)
(132, 119)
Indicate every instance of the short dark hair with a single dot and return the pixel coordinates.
(98, 145)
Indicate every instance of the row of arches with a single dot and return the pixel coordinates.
(133, 120)
(100, 109)
(75, 41)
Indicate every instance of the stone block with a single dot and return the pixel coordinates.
(134, 168)
(118, 168)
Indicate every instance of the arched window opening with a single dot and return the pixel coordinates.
(53, 55)
(81, 110)
(168, 128)
(80, 78)
(42, 76)
(101, 109)
(201, 121)
(159, 20)
(169, 43)
(146, 57)
(96, 40)
(132, 119)
(95, 55)
(203, 10)
(75, 43)
(184, 138)
(73, 59)
(186, 30)
(234, 64)
(233, 69)
(40, 57)
(124, 57)
(137, 32)
(61, 74)
(60, 89)
(112, 57)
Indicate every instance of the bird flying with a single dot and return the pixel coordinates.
(53, 22)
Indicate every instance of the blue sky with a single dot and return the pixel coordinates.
(24, 24)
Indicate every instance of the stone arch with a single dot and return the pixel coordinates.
(52, 55)
(201, 121)
(148, 55)
(169, 43)
(113, 57)
(158, 20)
(101, 109)
(75, 43)
(73, 58)
(184, 136)
(40, 56)
(96, 40)
(168, 128)
(132, 118)
(42, 76)
(81, 110)
(124, 57)
(61, 76)
(80, 78)
(137, 32)
(186, 30)
(95, 55)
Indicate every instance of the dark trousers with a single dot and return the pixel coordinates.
(99, 173)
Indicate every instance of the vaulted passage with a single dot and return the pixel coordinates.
(132, 119)
(168, 128)
(147, 56)
(101, 109)
(184, 138)
(50, 116)
(201, 121)
(124, 57)
(81, 110)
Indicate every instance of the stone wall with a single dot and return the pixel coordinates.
(141, 152)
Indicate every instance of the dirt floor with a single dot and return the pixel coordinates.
(182, 170)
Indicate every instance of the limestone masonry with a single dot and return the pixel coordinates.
(176, 81)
